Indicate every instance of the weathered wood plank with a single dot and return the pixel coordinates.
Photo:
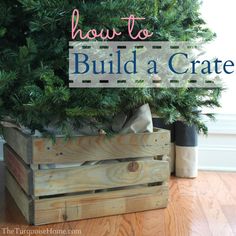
(69, 180)
(22, 201)
(19, 142)
(18, 169)
(100, 204)
(90, 148)
(86, 148)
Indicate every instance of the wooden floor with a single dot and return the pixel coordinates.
(203, 206)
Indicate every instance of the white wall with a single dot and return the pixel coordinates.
(220, 18)
(217, 151)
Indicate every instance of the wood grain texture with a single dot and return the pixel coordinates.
(191, 194)
(22, 201)
(230, 214)
(212, 204)
(100, 204)
(19, 142)
(90, 148)
(103, 176)
(184, 215)
(18, 169)
(35, 150)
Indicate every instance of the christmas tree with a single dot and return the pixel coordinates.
(34, 38)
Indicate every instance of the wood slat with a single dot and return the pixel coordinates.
(22, 201)
(90, 148)
(103, 176)
(18, 169)
(19, 142)
(87, 148)
(100, 204)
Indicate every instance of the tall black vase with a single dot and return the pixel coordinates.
(186, 150)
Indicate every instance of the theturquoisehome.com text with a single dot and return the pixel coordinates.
(44, 231)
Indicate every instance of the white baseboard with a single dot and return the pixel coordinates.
(217, 168)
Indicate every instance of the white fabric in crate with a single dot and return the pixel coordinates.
(58, 166)
(140, 122)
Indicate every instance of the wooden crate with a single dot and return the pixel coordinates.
(78, 192)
